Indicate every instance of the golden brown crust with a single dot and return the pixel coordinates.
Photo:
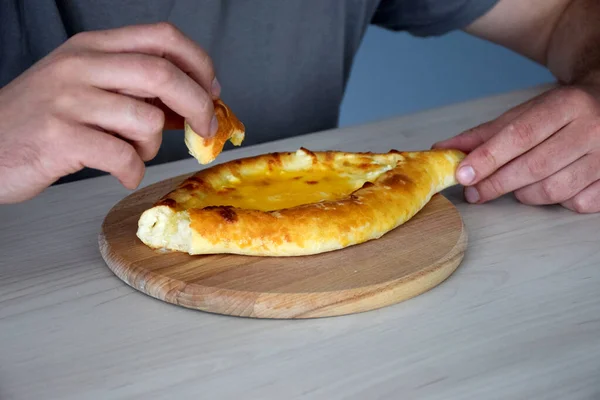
(395, 187)
(230, 128)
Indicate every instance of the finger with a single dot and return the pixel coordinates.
(518, 136)
(172, 119)
(557, 152)
(87, 147)
(149, 76)
(564, 184)
(162, 40)
(587, 201)
(130, 118)
(468, 140)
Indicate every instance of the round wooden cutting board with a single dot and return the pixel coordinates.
(404, 263)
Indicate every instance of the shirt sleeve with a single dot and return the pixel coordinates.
(429, 17)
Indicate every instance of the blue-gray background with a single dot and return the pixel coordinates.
(396, 73)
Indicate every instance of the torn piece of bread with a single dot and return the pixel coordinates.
(230, 128)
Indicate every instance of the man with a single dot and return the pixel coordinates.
(102, 98)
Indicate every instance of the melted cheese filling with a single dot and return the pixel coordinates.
(276, 191)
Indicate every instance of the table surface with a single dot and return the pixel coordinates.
(519, 319)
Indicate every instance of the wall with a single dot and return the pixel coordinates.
(396, 73)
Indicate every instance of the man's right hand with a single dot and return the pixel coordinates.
(86, 105)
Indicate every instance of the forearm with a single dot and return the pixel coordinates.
(573, 51)
(563, 35)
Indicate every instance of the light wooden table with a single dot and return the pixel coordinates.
(520, 319)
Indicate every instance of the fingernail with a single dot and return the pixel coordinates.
(214, 126)
(465, 175)
(471, 194)
(216, 88)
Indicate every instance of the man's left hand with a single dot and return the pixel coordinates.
(546, 151)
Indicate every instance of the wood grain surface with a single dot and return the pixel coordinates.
(519, 319)
(405, 262)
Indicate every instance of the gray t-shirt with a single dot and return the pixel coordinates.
(283, 64)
